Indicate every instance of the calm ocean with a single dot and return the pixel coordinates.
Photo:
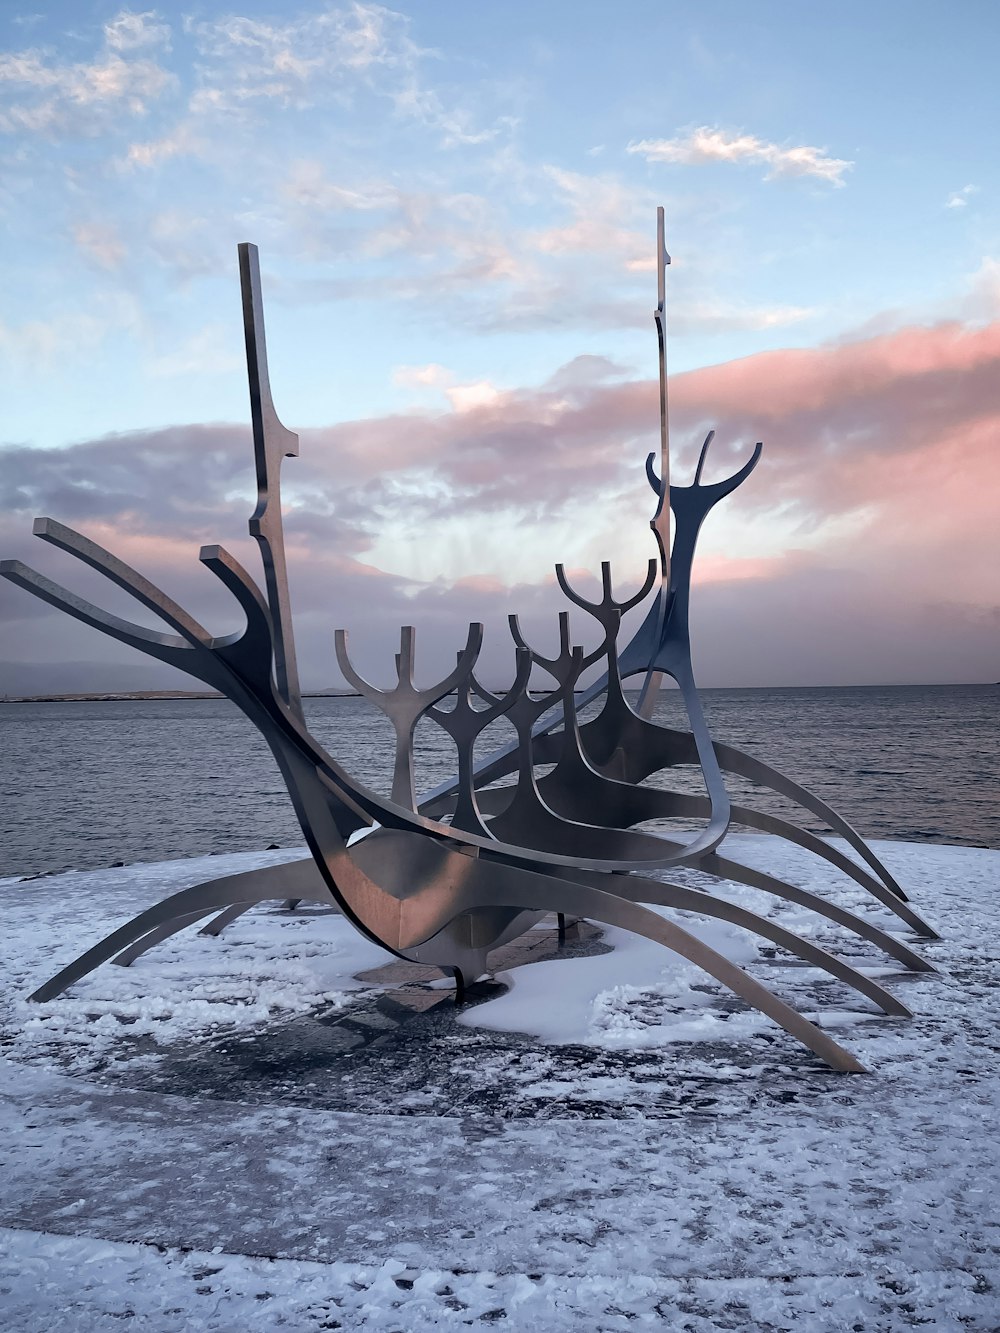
(91, 784)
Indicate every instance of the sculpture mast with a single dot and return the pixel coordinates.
(660, 522)
(272, 442)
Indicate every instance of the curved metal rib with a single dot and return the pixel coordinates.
(404, 669)
(682, 804)
(645, 748)
(496, 800)
(402, 863)
(214, 928)
(663, 747)
(737, 761)
(134, 583)
(725, 868)
(189, 903)
(251, 652)
(607, 612)
(191, 650)
(637, 889)
(167, 647)
(230, 914)
(269, 882)
(552, 665)
(165, 932)
(560, 896)
(716, 490)
(584, 794)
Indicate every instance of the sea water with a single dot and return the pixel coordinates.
(84, 785)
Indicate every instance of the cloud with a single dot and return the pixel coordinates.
(431, 376)
(468, 262)
(182, 141)
(186, 243)
(864, 548)
(129, 32)
(101, 242)
(462, 397)
(205, 352)
(470, 397)
(709, 145)
(453, 243)
(725, 317)
(39, 345)
(589, 268)
(308, 186)
(601, 211)
(982, 301)
(40, 95)
(357, 36)
(960, 199)
(316, 57)
(236, 72)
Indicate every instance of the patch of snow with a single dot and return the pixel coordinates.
(267, 964)
(54, 1284)
(586, 1000)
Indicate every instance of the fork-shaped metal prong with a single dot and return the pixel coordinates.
(551, 664)
(404, 704)
(712, 491)
(608, 612)
(464, 724)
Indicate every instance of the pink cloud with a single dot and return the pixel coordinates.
(881, 470)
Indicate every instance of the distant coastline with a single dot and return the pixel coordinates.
(162, 696)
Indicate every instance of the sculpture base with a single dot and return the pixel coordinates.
(643, 1182)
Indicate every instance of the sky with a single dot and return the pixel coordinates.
(455, 209)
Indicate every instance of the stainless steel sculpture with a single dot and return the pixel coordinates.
(444, 879)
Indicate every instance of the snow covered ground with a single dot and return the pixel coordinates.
(655, 1156)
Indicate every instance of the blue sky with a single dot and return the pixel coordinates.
(454, 201)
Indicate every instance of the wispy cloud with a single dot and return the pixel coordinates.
(960, 199)
(101, 242)
(131, 32)
(732, 317)
(40, 94)
(206, 352)
(482, 239)
(604, 218)
(322, 57)
(45, 344)
(248, 59)
(431, 376)
(183, 140)
(708, 144)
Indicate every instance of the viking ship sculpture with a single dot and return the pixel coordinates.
(445, 878)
